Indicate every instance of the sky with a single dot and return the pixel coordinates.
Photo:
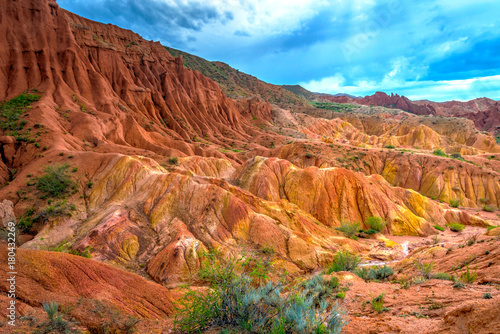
(428, 49)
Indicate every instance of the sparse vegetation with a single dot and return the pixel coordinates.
(425, 269)
(61, 208)
(374, 273)
(343, 261)
(55, 322)
(488, 208)
(454, 203)
(375, 223)
(234, 301)
(439, 228)
(173, 160)
(439, 152)
(468, 276)
(349, 229)
(11, 111)
(55, 182)
(444, 276)
(65, 247)
(456, 227)
(336, 107)
(378, 303)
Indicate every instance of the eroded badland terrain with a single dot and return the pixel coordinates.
(137, 174)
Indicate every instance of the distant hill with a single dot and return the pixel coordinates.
(236, 84)
(302, 92)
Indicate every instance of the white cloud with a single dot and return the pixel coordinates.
(442, 90)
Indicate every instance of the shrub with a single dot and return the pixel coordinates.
(344, 261)
(375, 273)
(456, 156)
(439, 152)
(488, 208)
(317, 289)
(444, 276)
(268, 249)
(425, 269)
(234, 301)
(378, 303)
(468, 276)
(439, 228)
(487, 295)
(61, 208)
(55, 322)
(11, 111)
(389, 146)
(55, 182)
(456, 227)
(375, 223)
(454, 203)
(349, 229)
(173, 160)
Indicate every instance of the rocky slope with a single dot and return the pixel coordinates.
(236, 84)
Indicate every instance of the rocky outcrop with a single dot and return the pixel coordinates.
(334, 195)
(388, 101)
(487, 120)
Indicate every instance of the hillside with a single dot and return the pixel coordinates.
(136, 181)
(236, 84)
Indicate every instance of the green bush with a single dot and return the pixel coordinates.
(488, 208)
(425, 269)
(456, 227)
(343, 261)
(235, 301)
(173, 160)
(487, 295)
(378, 303)
(55, 322)
(375, 273)
(439, 152)
(454, 203)
(349, 229)
(456, 156)
(389, 146)
(61, 208)
(375, 223)
(55, 182)
(444, 276)
(317, 289)
(439, 228)
(11, 111)
(468, 276)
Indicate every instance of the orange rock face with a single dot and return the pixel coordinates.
(68, 279)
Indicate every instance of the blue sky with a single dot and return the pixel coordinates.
(427, 49)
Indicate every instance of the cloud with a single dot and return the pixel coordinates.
(443, 90)
(153, 19)
(362, 42)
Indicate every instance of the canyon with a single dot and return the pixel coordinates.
(164, 156)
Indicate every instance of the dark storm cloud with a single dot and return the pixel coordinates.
(152, 19)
